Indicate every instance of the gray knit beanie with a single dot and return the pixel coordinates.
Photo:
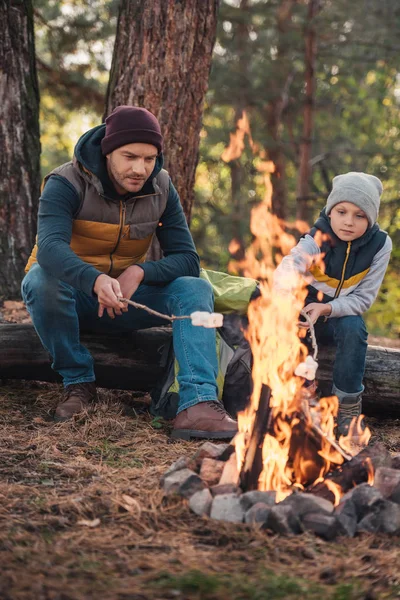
(358, 188)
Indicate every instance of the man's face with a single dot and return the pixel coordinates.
(131, 165)
(348, 221)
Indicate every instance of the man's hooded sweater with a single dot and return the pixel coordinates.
(86, 228)
(347, 275)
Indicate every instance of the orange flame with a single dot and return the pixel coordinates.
(357, 437)
(236, 145)
(301, 448)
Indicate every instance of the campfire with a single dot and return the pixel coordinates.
(286, 439)
(285, 470)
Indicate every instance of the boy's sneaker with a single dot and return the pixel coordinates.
(76, 399)
(347, 412)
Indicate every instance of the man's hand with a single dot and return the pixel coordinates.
(314, 311)
(108, 291)
(129, 281)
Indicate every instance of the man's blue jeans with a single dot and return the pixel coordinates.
(350, 336)
(59, 312)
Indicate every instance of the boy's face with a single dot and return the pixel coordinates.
(348, 221)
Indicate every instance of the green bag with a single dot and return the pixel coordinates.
(232, 296)
(231, 293)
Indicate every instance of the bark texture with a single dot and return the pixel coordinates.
(162, 58)
(274, 110)
(134, 362)
(19, 142)
(303, 178)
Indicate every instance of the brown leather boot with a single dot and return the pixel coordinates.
(76, 398)
(204, 420)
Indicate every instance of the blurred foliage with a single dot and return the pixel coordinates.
(258, 65)
(357, 118)
(74, 42)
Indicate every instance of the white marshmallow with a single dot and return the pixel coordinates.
(307, 369)
(208, 320)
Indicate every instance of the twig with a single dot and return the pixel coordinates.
(153, 312)
(332, 442)
(312, 333)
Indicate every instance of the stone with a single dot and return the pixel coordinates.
(386, 480)
(255, 497)
(322, 524)
(390, 518)
(230, 473)
(282, 520)
(225, 488)
(365, 497)
(396, 461)
(383, 518)
(179, 464)
(257, 514)
(183, 482)
(208, 450)
(395, 496)
(346, 515)
(369, 523)
(307, 503)
(227, 507)
(211, 471)
(227, 452)
(200, 502)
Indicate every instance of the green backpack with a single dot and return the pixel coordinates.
(231, 297)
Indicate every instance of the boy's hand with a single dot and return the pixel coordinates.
(314, 311)
(108, 291)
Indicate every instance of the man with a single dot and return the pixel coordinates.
(97, 217)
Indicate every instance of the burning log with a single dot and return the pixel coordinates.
(359, 469)
(252, 465)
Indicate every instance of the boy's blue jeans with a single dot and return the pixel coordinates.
(59, 312)
(350, 336)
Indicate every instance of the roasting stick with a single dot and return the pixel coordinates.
(313, 425)
(198, 318)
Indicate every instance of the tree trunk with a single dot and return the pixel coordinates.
(162, 58)
(19, 142)
(237, 246)
(303, 178)
(280, 85)
(134, 362)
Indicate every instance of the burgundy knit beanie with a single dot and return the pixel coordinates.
(128, 124)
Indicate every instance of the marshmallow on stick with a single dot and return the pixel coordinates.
(307, 369)
(205, 319)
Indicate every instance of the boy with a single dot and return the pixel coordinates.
(355, 253)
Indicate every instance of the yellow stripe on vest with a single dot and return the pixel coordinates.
(319, 275)
(332, 282)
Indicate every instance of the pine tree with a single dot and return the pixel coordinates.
(19, 142)
(161, 61)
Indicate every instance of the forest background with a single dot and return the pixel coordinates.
(319, 82)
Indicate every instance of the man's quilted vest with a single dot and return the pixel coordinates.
(109, 234)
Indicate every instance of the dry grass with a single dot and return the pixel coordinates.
(82, 516)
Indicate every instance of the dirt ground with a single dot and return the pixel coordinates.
(82, 517)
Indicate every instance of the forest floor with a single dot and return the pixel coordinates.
(82, 516)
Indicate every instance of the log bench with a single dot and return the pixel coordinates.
(133, 362)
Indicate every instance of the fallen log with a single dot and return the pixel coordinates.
(124, 362)
(134, 362)
(381, 380)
